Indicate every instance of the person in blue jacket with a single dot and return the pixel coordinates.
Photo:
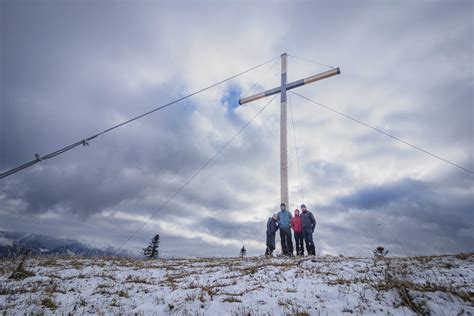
(284, 223)
(272, 227)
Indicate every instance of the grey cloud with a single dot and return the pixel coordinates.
(331, 173)
(227, 229)
(380, 196)
(410, 211)
(69, 70)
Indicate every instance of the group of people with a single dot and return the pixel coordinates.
(303, 226)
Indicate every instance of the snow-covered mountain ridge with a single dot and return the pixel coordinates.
(13, 244)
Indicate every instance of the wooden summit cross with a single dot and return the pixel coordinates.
(282, 90)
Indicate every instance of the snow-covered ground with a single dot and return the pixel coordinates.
(441, 285)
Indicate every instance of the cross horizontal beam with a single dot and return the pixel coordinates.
(292, 85)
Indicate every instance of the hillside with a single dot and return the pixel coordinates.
(441, 285)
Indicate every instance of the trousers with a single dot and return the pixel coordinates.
(299, 243)
(286, 243)
(308, 239)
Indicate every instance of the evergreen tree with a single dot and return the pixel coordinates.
(153, 249)
(243, 252)
(380, 252)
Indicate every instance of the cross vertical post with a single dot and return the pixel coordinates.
(282, 89)
(283, 135)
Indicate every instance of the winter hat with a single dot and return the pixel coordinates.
(282, 204)
(302, 205)
(275, 216)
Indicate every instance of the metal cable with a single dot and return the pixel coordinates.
(397, 240)
(196, 173)
(296, 148)
(85, 141)
(256, 83)
(312, 62)
(385, 133)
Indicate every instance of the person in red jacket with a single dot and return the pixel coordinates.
(298, 230)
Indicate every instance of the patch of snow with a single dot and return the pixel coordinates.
(221, 286)
(6, 241)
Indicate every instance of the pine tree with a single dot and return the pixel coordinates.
(380, 252)
(243, 252)
(153, 249)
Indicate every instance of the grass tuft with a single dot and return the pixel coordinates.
(122, 293)
(49, 303)
(231, 299)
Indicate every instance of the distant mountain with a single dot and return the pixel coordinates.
(14, 243)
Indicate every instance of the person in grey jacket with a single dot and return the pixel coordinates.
(272, 227)
(309, 224)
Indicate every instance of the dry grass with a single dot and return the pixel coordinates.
(252, 269)
(49, 262)
(402, 276)
(5, 291)
(114, 303)
(136, 279)
(122, 293)
(76, 264)
(339, 281)
(298, 313)
(190, 297)
(465, 256)
(286, 302)
(49, 303)
(53, 287)
(231, 299)
(211, 290)
(21, 274)
(103, 275)
(103, 286)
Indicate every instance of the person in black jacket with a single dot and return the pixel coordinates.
(272, 227)
(309, 224)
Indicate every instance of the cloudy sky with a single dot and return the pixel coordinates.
(72, 69)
